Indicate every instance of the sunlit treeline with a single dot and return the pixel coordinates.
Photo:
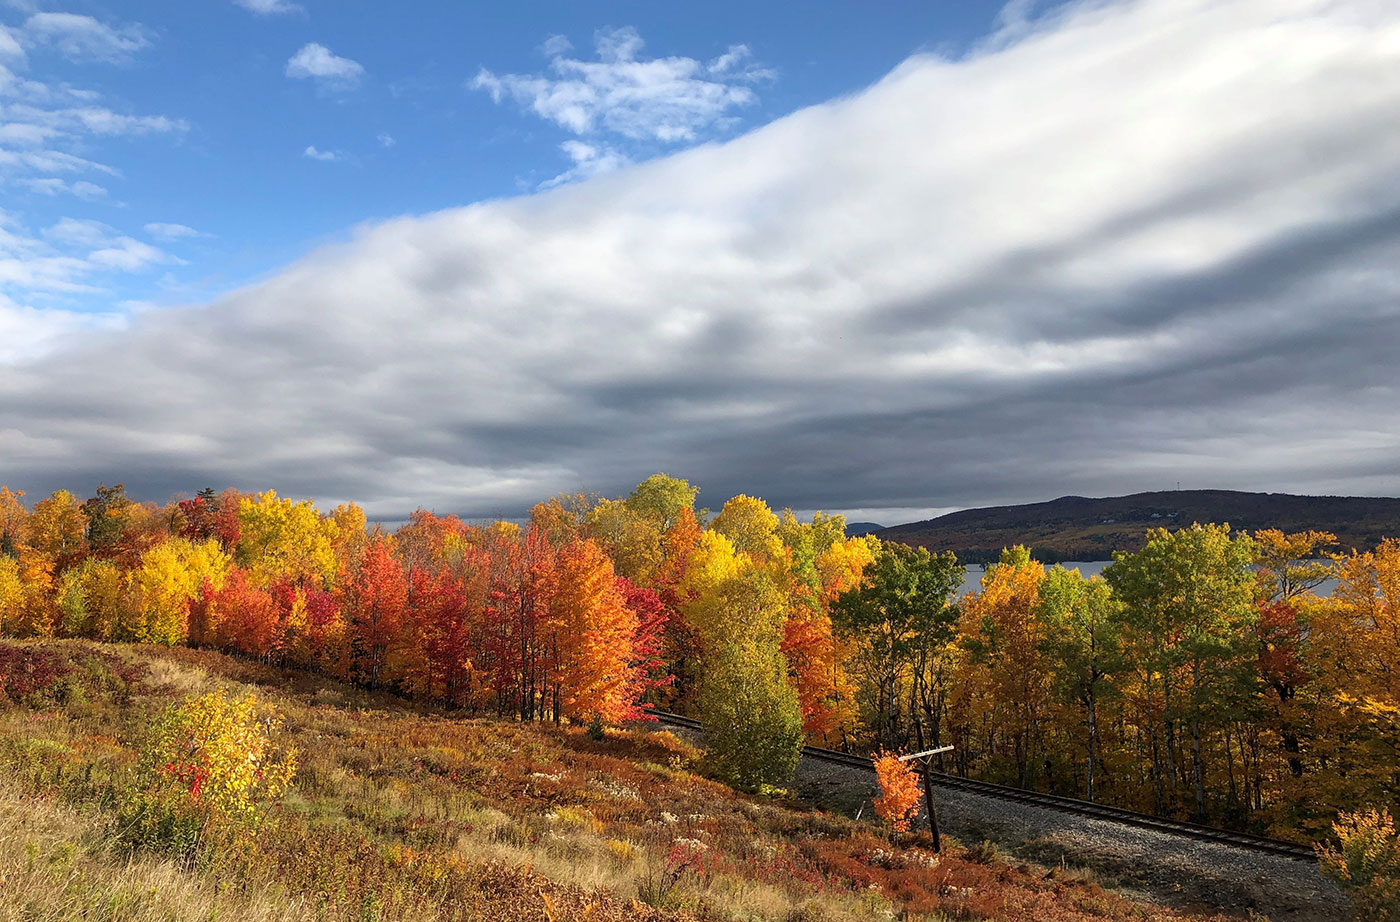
(1199, 677)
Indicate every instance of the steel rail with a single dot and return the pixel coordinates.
(1071, 805)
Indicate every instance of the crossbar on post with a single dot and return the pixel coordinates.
(926, 757)
(926, 753)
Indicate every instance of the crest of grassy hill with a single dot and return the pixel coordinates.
(1083, 528)
(404, 812)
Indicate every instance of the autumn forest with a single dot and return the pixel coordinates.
(1200, 678)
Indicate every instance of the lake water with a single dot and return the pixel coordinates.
(972, 575)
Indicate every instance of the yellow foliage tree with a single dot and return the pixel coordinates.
(11, 594)
(285, 540)
(1003, 681)
(57, 527)
(737, 607)
(169, 577)
(12, 518)
(90, 599)
(1291, 564)
(36, 611)
(1352, 649)
(349, 535)
(1366, 863)
(751, 526)
(632, 541)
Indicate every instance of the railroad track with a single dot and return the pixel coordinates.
(1072, 805)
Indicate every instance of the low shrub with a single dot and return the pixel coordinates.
(1366, 863)
(220, 750)
(898, 802)
(40, 676)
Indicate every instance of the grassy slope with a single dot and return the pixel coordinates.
(402, 813)
(1079, 528)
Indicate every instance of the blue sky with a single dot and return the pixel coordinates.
(405, 133)
(881, 259)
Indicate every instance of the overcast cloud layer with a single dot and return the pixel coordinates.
(1135, 244)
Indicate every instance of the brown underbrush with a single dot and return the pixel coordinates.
(399, 811)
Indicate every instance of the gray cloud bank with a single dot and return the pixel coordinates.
(1133, 244)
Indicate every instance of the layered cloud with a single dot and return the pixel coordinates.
(1132, 244)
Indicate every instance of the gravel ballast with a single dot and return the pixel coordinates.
(1183, 872)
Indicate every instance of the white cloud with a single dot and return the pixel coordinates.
(589, 160)
(327, 156)
(107, 122)
(269, 7)
(95, 120)
(128, 255)
(24, 134)
(80, 232)
(556, 46)
(55, 186)
(667, 100)
(162, 231)
(1099, 256)
(10, 47)
(28, 332)
(386, 140)
(316, 62)
(84, 39)
(69, 258)
(51, 161)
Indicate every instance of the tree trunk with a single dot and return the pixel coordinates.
(1093, 738)
(1198, 769)
(1170, 728)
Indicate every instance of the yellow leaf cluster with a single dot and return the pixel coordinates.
(221, 750)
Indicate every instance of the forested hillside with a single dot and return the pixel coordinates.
(1081, 528)
(1200, 678)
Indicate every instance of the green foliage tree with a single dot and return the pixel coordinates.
(106, 517)
(663, 499)
(1188, 599)
(633, 530)
(1082, 634)
(901, 616)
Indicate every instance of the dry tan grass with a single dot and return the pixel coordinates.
(53, 867)
(401, 813)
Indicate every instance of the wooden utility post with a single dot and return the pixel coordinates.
(926, 765)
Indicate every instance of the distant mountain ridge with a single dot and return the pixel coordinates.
(1083, 528)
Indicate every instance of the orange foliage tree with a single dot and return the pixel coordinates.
(593, 632)
(898, 802)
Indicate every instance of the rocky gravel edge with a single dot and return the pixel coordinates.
(1186, 873)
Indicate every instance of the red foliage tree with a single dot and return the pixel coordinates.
(373, 601)
(648, 673)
